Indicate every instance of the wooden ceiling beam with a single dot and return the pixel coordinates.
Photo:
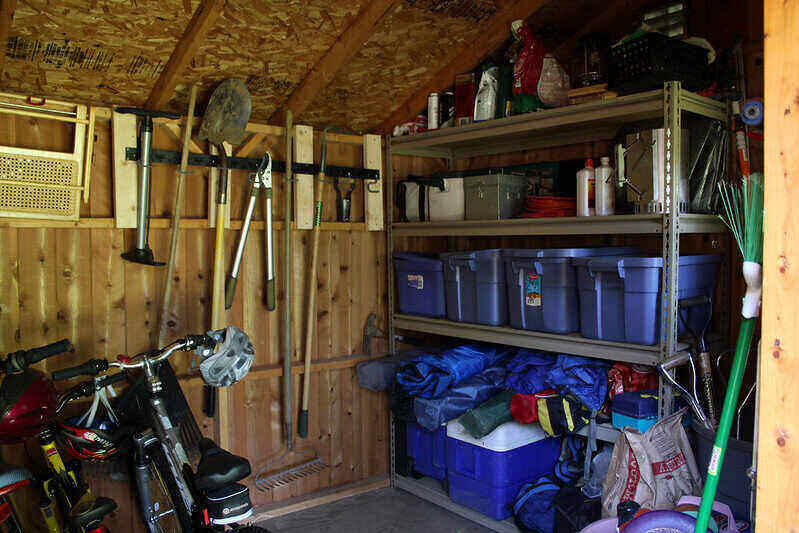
(200, 24)
(337, 56)
(607, 18)
(7, 8)
(494, 33)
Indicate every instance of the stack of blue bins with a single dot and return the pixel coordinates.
(542, 286)
(475, 287)
(620, 296)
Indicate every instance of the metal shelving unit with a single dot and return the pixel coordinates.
(574, 344)
(586, 122)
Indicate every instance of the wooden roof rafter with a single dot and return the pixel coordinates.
(200, 24)
(325, 70)
(464, 59)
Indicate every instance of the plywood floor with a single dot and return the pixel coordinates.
(383, 511)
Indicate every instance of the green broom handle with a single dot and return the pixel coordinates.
(723, 434)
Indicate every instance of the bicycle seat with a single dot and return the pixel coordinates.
(90, 514)
(218, 468)
(13, 478)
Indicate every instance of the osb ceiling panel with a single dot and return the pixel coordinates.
(405, 52)
(101, 51)
(270, 45)
(112, 51)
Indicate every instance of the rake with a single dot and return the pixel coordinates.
(291, 465)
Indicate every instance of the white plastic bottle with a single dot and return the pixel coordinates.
(605, 189)
(585, 190)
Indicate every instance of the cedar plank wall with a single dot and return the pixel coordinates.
(68, 282)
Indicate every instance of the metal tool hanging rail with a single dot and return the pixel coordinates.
(251, 164)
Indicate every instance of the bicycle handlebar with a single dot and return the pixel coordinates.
(21, 359)
(92, 367)
(87, 388)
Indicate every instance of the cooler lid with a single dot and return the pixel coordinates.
(636, 404)
(506, 437)
(428, 262)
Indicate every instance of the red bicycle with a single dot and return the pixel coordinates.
(28, 408)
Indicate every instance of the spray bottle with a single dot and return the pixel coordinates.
(605, 189)
(585, 190)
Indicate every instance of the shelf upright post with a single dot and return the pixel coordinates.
(672, 118)
(392, 343)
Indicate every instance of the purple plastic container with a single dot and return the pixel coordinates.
(420, 284)
(542, 286)
(620, 296)
(475, 287)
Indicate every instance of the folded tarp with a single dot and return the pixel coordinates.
(585, 378)
(488, 416)
(527, 372)
(428, 376)
(469, 393)
(378, 374)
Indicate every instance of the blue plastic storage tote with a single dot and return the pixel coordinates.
(486, 474)
(542, 286)
(428, 450)
(475, 287)
(620, 296)
(420, 284)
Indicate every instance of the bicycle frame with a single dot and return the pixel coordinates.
(162, 432)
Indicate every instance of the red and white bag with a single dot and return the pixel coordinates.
(655, 469)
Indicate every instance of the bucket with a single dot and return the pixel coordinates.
(606, 525)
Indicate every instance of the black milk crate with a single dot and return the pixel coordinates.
(649, 61)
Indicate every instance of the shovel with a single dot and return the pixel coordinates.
(225, 120)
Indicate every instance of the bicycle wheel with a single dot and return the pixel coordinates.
(173, 517)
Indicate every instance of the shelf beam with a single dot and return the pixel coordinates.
(549, 342)
(523, 227)
(553, 127)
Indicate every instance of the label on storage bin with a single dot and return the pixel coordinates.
(532, 290)
(416, 281)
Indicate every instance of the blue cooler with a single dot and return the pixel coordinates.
(486, 474)
(542, 286)
(428, 450)
(475, 287)
(420, 284)
(620, 296)
(637, 409)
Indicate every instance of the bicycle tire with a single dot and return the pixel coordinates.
(164, 489)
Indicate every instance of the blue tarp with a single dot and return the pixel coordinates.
(585, 378)
(527, 372)
(468, 394)
(430, 375)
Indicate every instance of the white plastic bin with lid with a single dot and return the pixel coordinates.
(447, 205)
(486, 474)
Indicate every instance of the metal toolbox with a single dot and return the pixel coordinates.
(494, 196)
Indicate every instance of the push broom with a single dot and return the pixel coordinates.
(743, 215)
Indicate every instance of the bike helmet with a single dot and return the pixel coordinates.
(229, 361)
(88, 444)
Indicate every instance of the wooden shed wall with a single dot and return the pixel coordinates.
(68, 280)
